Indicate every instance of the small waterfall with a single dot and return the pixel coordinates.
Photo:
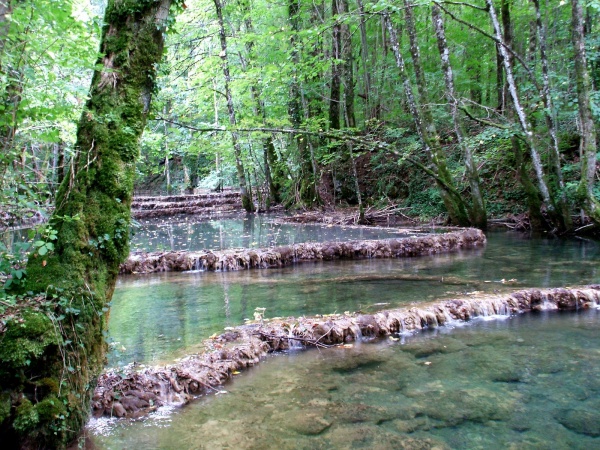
(546, 303)
(293, 344)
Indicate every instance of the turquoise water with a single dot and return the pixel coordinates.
(524, 382)
(156, 318)
(527, 382)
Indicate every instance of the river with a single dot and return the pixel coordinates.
(522, 382)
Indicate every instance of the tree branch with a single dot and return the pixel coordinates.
(497, 41)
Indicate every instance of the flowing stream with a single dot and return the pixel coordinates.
(522, 382)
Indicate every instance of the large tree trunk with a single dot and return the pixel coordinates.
(247, 202)
(588, 130)
(477, 211)
(49, 362)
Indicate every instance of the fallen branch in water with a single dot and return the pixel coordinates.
(310, 342)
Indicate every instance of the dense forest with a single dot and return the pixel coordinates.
(465, 111)
(470, 110)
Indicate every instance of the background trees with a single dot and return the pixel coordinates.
(330, 68)
(305, 75)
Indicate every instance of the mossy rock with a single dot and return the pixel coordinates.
(584, 419)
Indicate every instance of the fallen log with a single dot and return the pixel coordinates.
(241, 259)
(131, 392)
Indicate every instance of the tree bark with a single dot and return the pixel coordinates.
(51, 381)
(523, 121)
(477, 210)
(335, 95)
(588, 131)
(364, 52)
(259, 110)
(424, 121)
(247, 202)
(557, 177)
(307, 179)
(348, 69)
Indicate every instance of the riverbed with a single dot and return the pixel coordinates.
(392, 401)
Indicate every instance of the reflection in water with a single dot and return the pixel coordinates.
(251, 231)
(527, 382)
(156, 318)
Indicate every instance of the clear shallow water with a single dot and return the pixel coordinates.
(156, 318)
(249, 231)
(526, 382)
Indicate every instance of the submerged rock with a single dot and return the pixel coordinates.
(584, 419)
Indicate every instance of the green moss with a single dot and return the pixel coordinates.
(5, 406)
(81, 273)
(51, 384)
(26, 340)
(50, 409)
(27, 417)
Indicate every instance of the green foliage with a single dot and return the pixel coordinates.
(27, 417)
(5, 406)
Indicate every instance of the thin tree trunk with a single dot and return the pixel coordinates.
(424, 121)
(499, 80)
(335, 96)
(364, 55)
(348, 68)
(237, 148)
(477, 211)
(588, 130)
(259, 107)
(550, 120)
(523, 121)
(308, 190)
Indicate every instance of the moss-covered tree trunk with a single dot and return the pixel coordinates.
(424, 124)
(53, 350)
(588, 128)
